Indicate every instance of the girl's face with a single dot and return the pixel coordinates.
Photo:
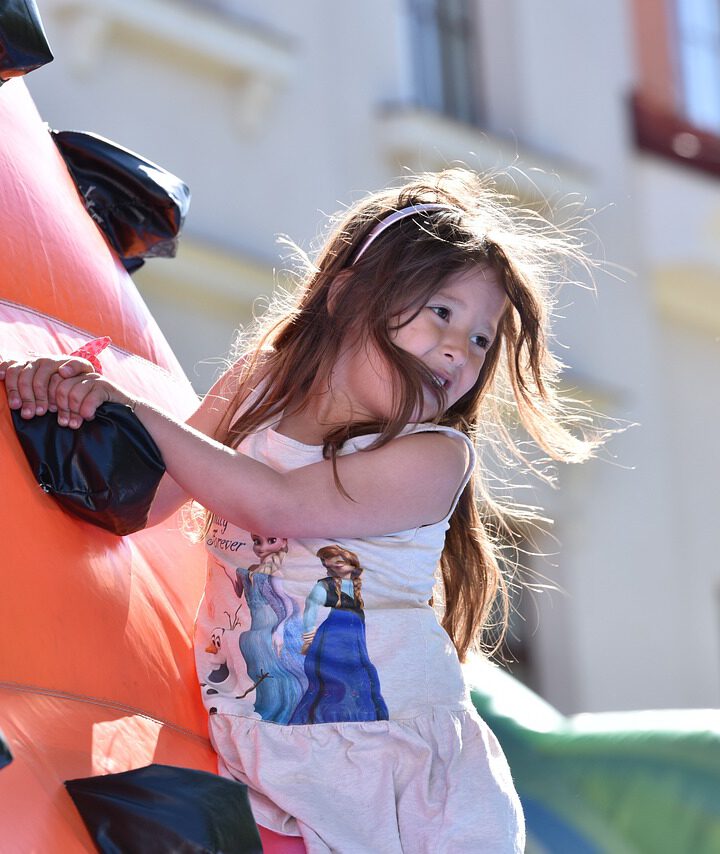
(265, 546)
(451, 335)
(338, 566)
(454, 330)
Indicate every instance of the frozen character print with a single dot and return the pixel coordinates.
(223, 681)
(343, 684)
(271, 646)
(271, 551)
(220, 675)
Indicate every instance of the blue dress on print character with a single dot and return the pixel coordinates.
(343, 684)
(278, 693)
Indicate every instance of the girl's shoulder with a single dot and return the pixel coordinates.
(424, 470)
(460, 440)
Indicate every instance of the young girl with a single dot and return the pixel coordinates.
(350, 424)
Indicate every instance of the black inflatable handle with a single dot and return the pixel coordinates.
(23, 44)
(106, 472)
(140, 206)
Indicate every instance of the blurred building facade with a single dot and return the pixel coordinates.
(278, 113)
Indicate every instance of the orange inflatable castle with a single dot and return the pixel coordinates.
(96, 670)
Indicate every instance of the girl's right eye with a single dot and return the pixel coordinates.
(442, 312)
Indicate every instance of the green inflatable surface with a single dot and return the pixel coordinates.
(622, 782)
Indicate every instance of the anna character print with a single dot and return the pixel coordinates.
(343, 684)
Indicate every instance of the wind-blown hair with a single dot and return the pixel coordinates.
(296, 346)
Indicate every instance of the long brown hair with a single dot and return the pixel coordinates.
(299, 342)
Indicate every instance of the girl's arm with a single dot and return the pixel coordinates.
(409, 482)
(206, 419)
(170, 496)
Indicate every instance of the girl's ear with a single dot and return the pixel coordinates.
(335, 289)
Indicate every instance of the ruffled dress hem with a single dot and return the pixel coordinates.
(436, 782)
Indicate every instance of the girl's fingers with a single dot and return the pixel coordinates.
(66, 385)
(89, 394)
(18, 382)
(55, 380)
(28, 383)
(9, 371)
(40, 383)
(73, 365)
(69, 396)
(32, 382)
(78, 397)
(70, 367)
(7, 363)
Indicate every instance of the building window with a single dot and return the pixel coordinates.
(676, 102)
(698, 31)
(441, 35)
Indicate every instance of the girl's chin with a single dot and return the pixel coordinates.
(431, 408)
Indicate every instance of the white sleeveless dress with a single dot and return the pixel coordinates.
(342, 705)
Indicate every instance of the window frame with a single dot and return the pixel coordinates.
(442, 39)
(659, 119)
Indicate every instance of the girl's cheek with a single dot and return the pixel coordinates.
(475, 374)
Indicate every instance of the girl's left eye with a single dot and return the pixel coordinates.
(480, 341)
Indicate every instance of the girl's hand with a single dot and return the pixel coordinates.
(32, 385)
(78, 397)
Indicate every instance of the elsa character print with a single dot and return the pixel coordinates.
(271, 646)
(343, 684)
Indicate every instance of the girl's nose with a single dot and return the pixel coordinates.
(455, 349)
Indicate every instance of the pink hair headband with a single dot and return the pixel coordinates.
(393, 218)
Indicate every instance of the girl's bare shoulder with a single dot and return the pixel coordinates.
(437, 450)
(411, 481)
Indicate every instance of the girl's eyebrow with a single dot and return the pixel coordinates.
(446, 295)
